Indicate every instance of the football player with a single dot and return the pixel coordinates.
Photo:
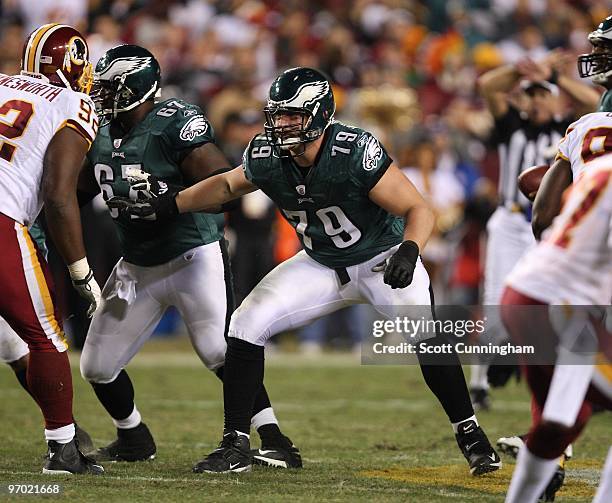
(15, 353)
(183, 263)
(588, 137)
(524, 138)
(362, 225)
(48, 124)
(579, 246)
(585, 140)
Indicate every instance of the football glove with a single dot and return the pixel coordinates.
(154, 197)
(85, 284)
(399, 268)
(148, 186)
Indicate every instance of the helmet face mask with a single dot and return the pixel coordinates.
(300, 107)
(125, 77)
(287, 127)
(598, 64)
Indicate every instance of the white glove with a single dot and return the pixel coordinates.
(84, 282)
(147, 185)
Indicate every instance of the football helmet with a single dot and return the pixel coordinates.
(59, 54)
(304, 92)
(598, 64)
(125, 77)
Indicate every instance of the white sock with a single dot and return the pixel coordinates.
(61, 435)
(131, 421)
(604, 491)
(264, 416)
(456, 425)
(530, 478)
(478, 376)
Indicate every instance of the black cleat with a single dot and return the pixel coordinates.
(232, 456)
(555, 483)
(135, 444)
(281, 454)
(84, 441)
(477, 449)
(480, 399)
(66, 459)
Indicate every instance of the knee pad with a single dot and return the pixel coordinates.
(245, 328)
(95, 372)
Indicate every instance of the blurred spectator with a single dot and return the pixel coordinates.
(105, 35)
(431, 167)
(395, 66)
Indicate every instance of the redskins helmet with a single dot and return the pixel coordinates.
(598, 64)
(299, 91)
(59, 53)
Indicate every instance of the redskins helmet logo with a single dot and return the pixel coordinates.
(76, 53)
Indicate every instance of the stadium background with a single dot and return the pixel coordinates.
(405, 69)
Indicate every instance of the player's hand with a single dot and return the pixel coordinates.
(148, 186)
(400, 266)
(84, 282)
(163, 207)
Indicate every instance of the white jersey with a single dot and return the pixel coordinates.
(31, 112)
(573, 264)
(585, 140)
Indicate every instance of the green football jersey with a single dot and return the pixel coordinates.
(605, 102)
(157, 145)
(38, 235)
(336, 222)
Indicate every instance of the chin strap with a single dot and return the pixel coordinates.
(60, 74)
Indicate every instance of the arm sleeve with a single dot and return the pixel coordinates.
(80, 115)
(247, 162)
(373, 162)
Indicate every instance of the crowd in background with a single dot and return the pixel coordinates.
(404, 69)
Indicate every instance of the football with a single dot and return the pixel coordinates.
(529, 180)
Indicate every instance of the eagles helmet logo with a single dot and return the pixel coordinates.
(124, 66)
(196, 126)
(373, 153)
(306, 95)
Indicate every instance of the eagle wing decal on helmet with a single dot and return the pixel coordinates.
(127, 66)
(305, 95)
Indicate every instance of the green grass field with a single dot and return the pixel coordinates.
(366, 434)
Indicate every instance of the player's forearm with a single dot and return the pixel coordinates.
(205, 195)
(419, 225)
(64, 224)
(212, 193)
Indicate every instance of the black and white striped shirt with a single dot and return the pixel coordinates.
(522, 144)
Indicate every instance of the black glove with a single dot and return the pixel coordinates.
(163, 207)
(154, 197)
(400, 266)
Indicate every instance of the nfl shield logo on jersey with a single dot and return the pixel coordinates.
(301, 189)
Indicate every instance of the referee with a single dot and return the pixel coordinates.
(526, 133)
